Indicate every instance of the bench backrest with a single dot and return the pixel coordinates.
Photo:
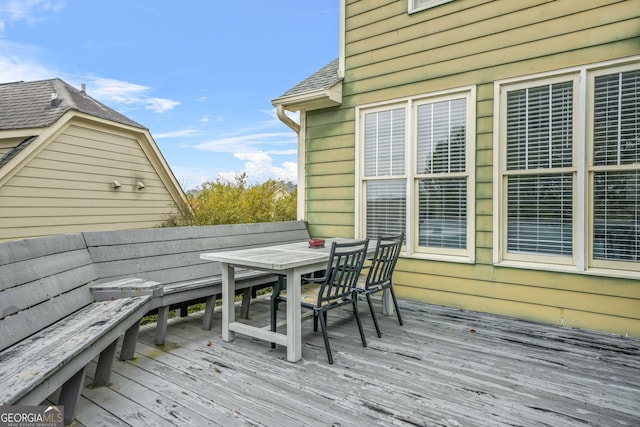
(172, 255)
(41, 281)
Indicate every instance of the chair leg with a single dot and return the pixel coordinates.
(395, 303)
(274, 315)
(358, 321)
(325, 336)
(373, 315)
(277, 288)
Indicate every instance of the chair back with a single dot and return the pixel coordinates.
(343, 271)
(384, 261)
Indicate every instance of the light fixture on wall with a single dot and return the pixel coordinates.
(116, 184)
(140, 185)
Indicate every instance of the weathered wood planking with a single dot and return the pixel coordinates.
(171, 256)
(50, 325)
(445, 367)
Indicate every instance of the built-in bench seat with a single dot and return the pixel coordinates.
(171, 256)
(65, 300)
(51, 326)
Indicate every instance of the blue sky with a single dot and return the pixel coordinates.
(200, 74)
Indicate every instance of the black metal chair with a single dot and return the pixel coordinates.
(380, 274)
(334, 289)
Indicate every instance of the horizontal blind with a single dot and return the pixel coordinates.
(616, 216)
(540, 136)
(539, 214)
(616, 142)
(384, 143)
(441, 150)
(442, 207)
(386, 207)
(540, 127)
(441, 137)
(616, 131)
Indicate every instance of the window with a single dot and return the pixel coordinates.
(614, 168)
(567, 196)
(415, 5)
(416, 163)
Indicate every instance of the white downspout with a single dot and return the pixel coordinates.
(298, 129)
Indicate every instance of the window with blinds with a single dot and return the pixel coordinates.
(616, 167)
(384, 169)
(569, 169)
(539, 148)
(441, 174)
(415, 173)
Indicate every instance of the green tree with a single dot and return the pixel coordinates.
(224, 202)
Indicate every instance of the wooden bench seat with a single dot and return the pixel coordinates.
(51, 327)
(171, 256)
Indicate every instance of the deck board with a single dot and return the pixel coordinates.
(445, 367)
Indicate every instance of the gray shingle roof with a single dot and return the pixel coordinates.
(25, 105)
(324, 78)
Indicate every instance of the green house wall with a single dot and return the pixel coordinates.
(391, 54)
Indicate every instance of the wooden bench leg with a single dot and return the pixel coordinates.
(105, 364)
(246, 300)
(210, 305)
(184, 311)
(161, 327)
(70, 394)
(129, 342)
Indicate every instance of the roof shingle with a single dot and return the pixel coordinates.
(25, 105)
(324, 78)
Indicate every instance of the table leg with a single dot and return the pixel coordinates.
(294, 317)
(228, 300)
(387, 303)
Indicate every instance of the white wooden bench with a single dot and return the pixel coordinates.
(51, 326)
(171, 256)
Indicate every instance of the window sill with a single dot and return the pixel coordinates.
(619, 274)
(436, 257)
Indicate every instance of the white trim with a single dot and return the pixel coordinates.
(583, 77)
(341, 48)
(469, 93)
(412, 8)
(301, 205)
(581, 160)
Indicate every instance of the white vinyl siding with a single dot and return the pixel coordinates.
(416, 173)
(569, 170)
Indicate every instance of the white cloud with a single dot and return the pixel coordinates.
(248, 143)
(190, 178)
(176, 134)
(126, 93)
(14, 69)
(29, 10)
(259, 167)
(160, 105)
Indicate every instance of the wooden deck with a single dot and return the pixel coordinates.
(445, 367)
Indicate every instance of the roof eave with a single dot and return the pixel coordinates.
(312, 100)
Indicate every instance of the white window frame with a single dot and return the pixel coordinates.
(581, 260)
(466, 255)
(417, 5)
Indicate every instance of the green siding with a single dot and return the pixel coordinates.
(392, 54)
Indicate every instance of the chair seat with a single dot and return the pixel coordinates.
(309, 295)
(335, 288)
